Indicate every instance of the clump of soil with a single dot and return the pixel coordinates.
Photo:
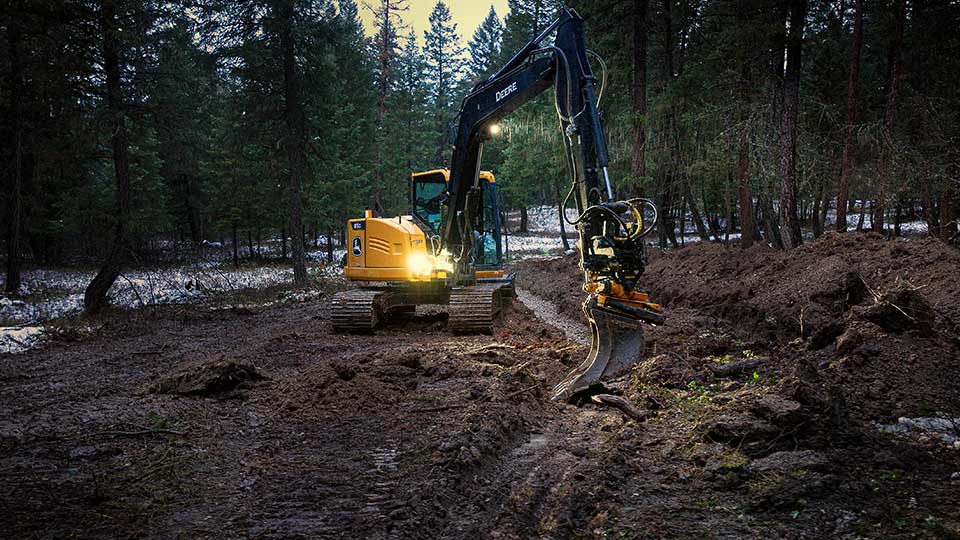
(207, 379)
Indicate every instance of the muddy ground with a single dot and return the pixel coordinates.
(260, 423)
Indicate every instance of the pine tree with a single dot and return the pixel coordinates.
(409, 123)
(443, 58)
(485, 47)
(387, 21)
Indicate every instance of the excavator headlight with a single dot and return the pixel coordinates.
(494, 129)
(419, 264)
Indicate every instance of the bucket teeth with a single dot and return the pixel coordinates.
(616, 345)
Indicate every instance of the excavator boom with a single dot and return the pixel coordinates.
(611, 231)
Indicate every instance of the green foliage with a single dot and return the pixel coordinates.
(443, 52)
(485, 47)
(204, 106)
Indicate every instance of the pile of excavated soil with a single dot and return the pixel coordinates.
(875, 318)
(786, 428)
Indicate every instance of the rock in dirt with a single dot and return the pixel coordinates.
(207, 379)
(856, 334)
(778, 409)
(789, 462)
(740, 428)
(736, 369)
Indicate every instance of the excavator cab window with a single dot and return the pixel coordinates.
(486, 246)
(429, 193)
(428, 198)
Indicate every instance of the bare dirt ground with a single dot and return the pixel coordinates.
(260, 423)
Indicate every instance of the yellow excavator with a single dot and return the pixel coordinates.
(449, 249)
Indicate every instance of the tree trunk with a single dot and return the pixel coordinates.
(523, 219)
(250, 243)
(95, 296)
(683, 220)
(295, 140)
(330, 245)
(747, 223)
(948, 214)
(848, 131)
(192, 221)
(890, 113)
(695, 214)
(815, 211)
(792, 236)
(929, 214)
(16, 170)
(236, 247)
(770, 226)
(728, 208)
(638, 96)
(283, 243)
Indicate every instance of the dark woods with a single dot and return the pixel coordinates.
(136, 130)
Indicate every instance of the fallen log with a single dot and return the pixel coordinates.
(734, 369)
(622, 404)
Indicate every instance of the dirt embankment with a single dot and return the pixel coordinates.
(772, 376)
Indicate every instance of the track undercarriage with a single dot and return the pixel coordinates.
(472, 308)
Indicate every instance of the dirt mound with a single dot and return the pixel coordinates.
(207, 379)
(873, 318)
(804, 290)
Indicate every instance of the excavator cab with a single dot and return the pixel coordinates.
(428, 193)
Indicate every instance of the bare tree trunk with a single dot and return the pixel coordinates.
(792, 235)
(15, 201)
(770, 226)
(524, 220)
(236, 247)
(330, 245)
(929, 214)
(747, 223)
(890, 113)
(818, 202)
(695, 213)
(848, 131)
(683, 220)
(638, 95)
(728, 207)
(948, 214)
(295, 140)
(95, 296)
(283, 243)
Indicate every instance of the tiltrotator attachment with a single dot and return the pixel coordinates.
(616, 345)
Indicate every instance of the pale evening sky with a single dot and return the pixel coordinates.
(468, 14)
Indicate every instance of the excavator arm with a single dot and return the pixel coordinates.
(610, 232)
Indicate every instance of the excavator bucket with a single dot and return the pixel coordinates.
(616, 345)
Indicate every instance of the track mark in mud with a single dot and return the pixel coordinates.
(548, 312)
(385, 462)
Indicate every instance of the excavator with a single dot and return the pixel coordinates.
(449, 250)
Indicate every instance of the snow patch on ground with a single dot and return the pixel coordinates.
(16, 339)
(943, 428)
(48, 294)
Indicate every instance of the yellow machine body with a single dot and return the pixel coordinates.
(397, 249)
